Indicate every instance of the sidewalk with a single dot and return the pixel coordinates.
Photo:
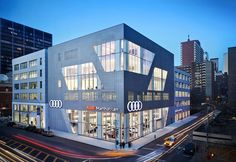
(135, 144)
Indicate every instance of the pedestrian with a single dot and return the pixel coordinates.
(123, 144)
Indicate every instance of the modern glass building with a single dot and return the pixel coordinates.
(17, 40)
(182, 94)
(114, 85)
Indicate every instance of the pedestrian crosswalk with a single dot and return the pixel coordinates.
(152, 155)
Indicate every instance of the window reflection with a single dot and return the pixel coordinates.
(81, 77)
(124, 55)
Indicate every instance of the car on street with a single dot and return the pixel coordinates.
(170, 141)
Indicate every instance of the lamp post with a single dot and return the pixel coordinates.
(207, 126)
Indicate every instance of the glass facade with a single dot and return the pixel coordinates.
(158, 80)
(108, 126)
(18, 40)
(124, 55)
(27, 114)
(81, 77)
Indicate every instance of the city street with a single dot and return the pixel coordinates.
(58, 149)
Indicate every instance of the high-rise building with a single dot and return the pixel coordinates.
(191, 51)
(18, 40)
(215, 63)
(232, 76)
(226, 70)
(202, 80)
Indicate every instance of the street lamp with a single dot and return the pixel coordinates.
(207, 120)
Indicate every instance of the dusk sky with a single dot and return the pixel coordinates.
(167, 22)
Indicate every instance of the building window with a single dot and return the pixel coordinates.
(41, 84)
(89, 123)
(108, 96)
(40, 61)
(130, 96)
(81, 77)
(23, 86)
(147, 96)
(124, 55)
(165, 96)
(33, 96)
(23, 76)
(16, 67)
(16, 86)
(40, 96)
(32, 85)
(33, 63)
(40, 73)
(59, 83)
(89, 96)
(33, 74)
(71, 96)
(23, 96)
(108, 126)
(158, 80)
(16, 96)
(156, 96)
(23, 65)
(16, 76)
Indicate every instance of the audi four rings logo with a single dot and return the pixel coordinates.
(55, 104)
(134, 106)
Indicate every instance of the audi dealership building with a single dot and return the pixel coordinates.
(115, 85)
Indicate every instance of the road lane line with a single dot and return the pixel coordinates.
(146, 148)
(46, 157)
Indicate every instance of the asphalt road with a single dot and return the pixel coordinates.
(38, 146)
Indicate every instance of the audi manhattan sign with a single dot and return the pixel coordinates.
(55, 104)
(134, 106)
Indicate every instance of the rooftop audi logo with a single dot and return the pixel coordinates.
(134, 106)
(55, 104)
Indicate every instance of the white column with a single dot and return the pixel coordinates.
(140, 122)
(99, 125)
(118, 130)
(151, 120)
(79, 122)
(45, 115)
(126, 129)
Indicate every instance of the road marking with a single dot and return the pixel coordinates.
(25, 148)
(160, 144)
(12, 143)
(146, 148)
(46, 157)
(38, 153)
(55, 159)
(85, 160)
(18, 146)
(31, 150)
(138, 155)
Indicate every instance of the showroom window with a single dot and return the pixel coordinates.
(108, 126)
(134, 125)
(89, 123)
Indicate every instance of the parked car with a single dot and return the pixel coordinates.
(38, 130)
(48, 133)
(189, 149)
(11, 124)
(30, 128)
